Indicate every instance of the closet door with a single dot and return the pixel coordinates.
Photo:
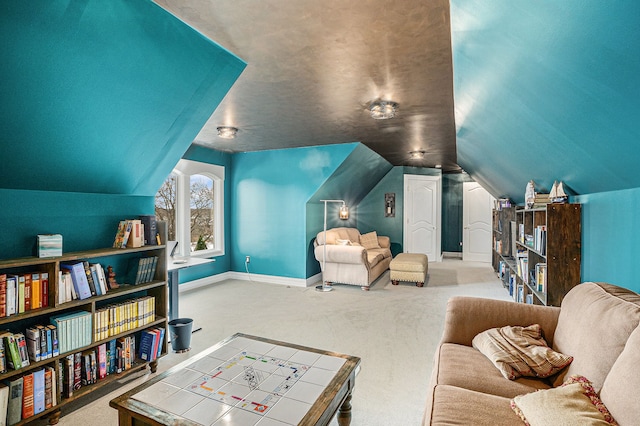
(422, 217)
(476, 223)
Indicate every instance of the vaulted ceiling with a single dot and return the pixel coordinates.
(315, 67)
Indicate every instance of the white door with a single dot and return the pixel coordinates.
(476, 220)
(422, 215)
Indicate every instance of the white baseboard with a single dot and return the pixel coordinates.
(271, 279)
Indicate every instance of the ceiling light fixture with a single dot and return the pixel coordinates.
(383, 110)
(227, 132)
(417, 155)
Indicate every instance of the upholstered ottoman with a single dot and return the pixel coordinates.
(411, 267)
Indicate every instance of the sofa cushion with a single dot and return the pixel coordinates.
(573, 403)
(594, 324)
(624, 376)
(458, 406)
(464, 366)
(520, 351)
(370, 240)
(335, 234)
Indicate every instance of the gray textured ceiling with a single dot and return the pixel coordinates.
(315, 66)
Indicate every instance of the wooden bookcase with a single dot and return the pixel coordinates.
(547, 239)
(120, 259)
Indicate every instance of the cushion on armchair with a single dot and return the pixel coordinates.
(370, 240)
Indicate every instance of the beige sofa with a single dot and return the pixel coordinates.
(353, 258)
(597, 324)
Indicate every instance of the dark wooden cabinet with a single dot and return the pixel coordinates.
(539, 260)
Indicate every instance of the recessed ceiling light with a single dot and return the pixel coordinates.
(227, 132)
(417, 155)
(383, 110)
(438, 166)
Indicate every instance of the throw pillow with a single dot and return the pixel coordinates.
(520, 351)
(575, 402)
(370, 240)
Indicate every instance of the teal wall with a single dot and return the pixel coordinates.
(547, 90)
(98, 102)
(371, 209)
(352, 180)
(270, 190)
(86, 221)
(102, 97)
(610, 227)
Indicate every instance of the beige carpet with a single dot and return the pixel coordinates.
(394, 329)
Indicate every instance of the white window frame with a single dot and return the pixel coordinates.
(184, 170)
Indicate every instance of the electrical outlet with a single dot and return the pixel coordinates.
(247, 259)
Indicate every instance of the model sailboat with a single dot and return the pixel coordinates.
(557, 194)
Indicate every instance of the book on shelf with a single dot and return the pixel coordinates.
(48, 387)
(21, 341)
(4, 403)
(14, 409)
(122, 234)
(96, 282)
(141, 270)
(35, 291)
(27, 395)
(12, 293)
(3, 295)
(38, 391)
(78, 277)
(150, 229)
(541, 277)
(21, 284)
(14, 361)
(27, 292)
(44, 285)
(87, 272)
(136, 236)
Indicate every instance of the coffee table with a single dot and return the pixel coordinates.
(246, 380)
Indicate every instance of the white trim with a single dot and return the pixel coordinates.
(243, 276)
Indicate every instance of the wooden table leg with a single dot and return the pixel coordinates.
(344, 412)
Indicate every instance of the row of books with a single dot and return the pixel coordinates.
(74, 330)
(114, 319)
(540, 239)
(151, 344)
(30, 394)
(81, 280)
(501, 203)
(136, 232)
(541, 277)
(142, 270)
(522, 265)
(23, 292)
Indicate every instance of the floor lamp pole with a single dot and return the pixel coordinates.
(324, 286)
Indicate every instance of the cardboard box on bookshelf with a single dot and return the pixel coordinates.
(49, 245)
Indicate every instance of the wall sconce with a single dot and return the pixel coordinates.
(390, 204)
(344, 212)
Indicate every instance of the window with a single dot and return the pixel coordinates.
(191, 201)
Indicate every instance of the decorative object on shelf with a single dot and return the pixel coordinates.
(111, 278)
(390, 204)
(557, 194)
(227, 132)
(49, 245)
(383, 110)
(325, 286)
(530, 194)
